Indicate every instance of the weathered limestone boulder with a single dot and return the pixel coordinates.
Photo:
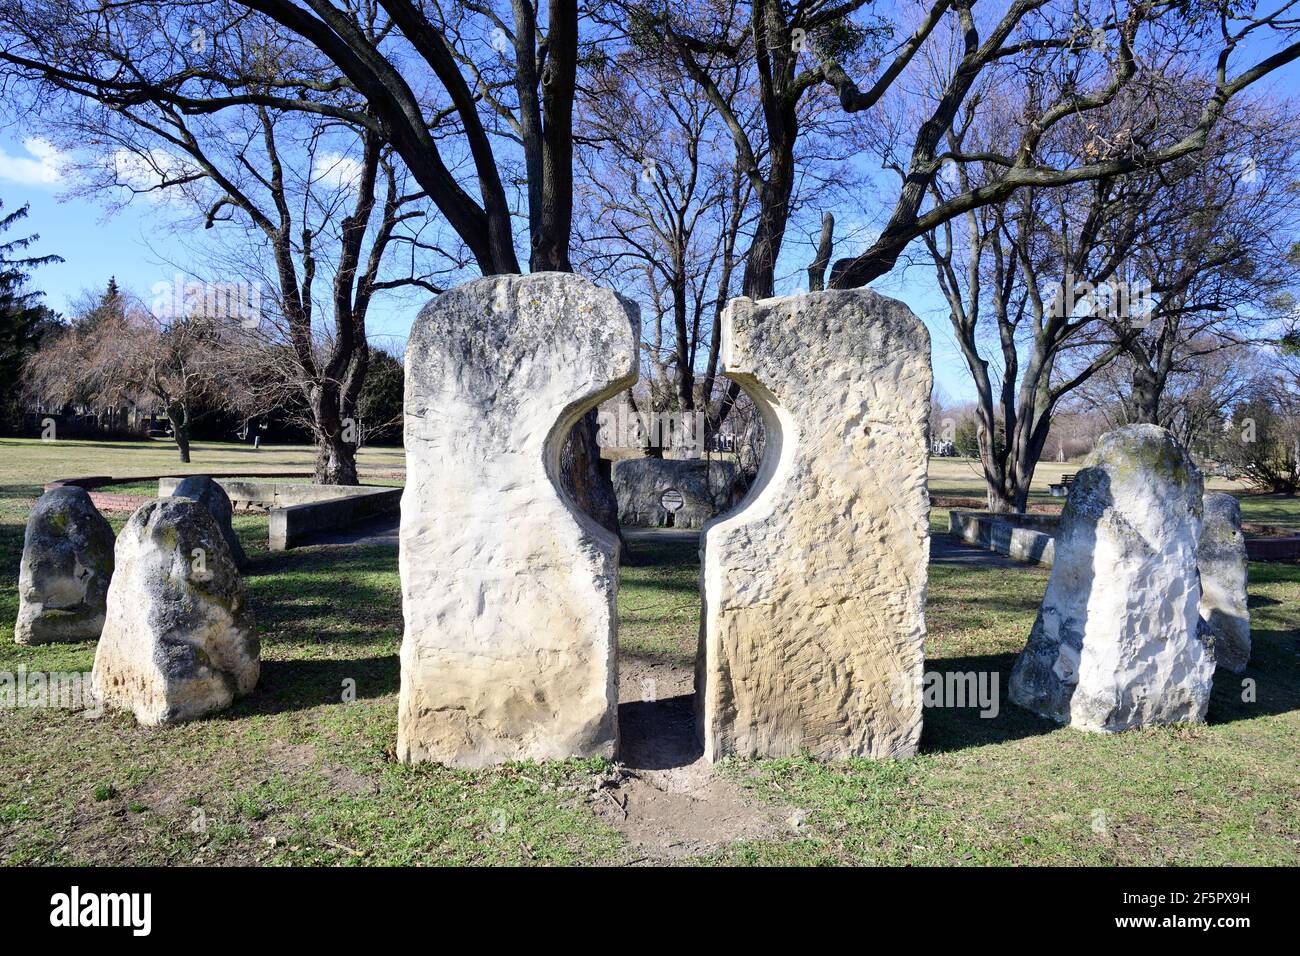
(508, 590)
(212, 496)
(1116, 641)
(66, 566)
(1221, 559)
(704, 488)
(179, 640)
(814, 591)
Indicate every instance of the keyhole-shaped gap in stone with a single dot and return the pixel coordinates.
(657, 686)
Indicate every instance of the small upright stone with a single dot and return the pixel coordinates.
(212, 496)
(508, 590)
(66, 567)
(1116, 643)
(179, 640)
(814, 592)
(1221, 559)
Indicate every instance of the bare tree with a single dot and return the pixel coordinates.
(401, 72)
(1078, 59)
(134, 357)
(1047, 288)
(663, 209)
(304, 187)
(1093, 51)
(1222, 258)
(1011, 278)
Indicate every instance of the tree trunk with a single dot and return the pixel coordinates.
(586, 479)
(685, 374)
(180, 431)
(336, 461)
(1144, 400)
(336, 440)
(999, 500)
(825, 246)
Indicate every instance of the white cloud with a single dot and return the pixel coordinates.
(142, 172)
(146, 172)
(336, 170)
(46, 169)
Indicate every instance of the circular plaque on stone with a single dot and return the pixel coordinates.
(672, 500)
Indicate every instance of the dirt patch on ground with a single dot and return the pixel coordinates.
(662, 795)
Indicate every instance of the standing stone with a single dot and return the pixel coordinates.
(508, 590)
(66, 566)
(697, 489)
(212, 496)
(1221, 559)
(179, 640)
(814, 591)
(1116, 641)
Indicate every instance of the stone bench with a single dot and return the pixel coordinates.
(300, 511)
(1027, 538)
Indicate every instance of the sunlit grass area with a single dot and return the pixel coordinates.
(29, 461)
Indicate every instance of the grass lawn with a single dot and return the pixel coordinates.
(294, 774)
(25, 461)
(962, 478)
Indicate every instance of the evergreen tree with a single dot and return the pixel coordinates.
(111, 306)
(24, 319)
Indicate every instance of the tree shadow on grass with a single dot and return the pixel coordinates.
(948, 728)
(659, 584)
(348, 595)
(303, 684)
(306, 597)
(1274, 671)
(1273, 675)
(667, 552)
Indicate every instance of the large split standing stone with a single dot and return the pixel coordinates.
(1116, 642)
(814, 590)
(212, 496)
(65, 571)
(508, 590)
(1221, 558)
(179, 640)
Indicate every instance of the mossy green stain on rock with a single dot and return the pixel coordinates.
(1143, 452)
(66, 567)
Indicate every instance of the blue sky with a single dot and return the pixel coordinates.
(130, 243)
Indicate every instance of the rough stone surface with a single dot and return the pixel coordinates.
(1116, 641)
(212, 496)
(65, 571)
(814, 590)
(508, 591)
(707, 488)
(1221, 559)
(179, 640)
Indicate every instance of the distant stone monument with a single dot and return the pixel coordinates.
(508, 590)
(1221, 558)
(814, 590)
(212, 496)
(179, 640)
(673, 492)
(66, 567)
(1116, 642)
